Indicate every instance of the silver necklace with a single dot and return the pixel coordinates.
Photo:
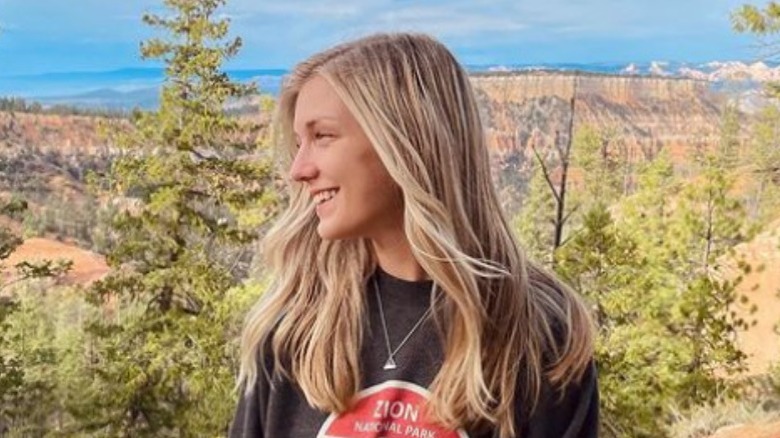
(390, 364)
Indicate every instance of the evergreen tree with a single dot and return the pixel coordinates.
(709, 222)
(602, 161)
(605, 265)
(11, 371)
(656, 279)
(35, 330)
(193, 186)
(15, 378)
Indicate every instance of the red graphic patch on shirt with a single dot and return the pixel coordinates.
(394, 409)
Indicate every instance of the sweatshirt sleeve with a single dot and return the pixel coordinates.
(572, 414)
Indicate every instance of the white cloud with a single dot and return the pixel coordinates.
(447, 21)
(308, 9)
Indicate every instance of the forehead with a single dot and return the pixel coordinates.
(317, 100)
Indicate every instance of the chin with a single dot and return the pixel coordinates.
(328, 233)
(331, 232)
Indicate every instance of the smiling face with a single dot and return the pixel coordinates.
(353, 192)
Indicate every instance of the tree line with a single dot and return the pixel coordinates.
(21, 105)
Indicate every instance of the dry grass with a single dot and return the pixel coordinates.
(755, 415)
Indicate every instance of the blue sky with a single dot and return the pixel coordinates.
(40, 36)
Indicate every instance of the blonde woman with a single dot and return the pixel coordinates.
(401, 304)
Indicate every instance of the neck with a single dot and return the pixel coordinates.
(394, 255)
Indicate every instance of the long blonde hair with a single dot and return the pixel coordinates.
(509, 324)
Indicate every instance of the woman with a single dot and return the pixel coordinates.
(401, 305)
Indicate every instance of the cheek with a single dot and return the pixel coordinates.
(373, 193)
(388, 198)
(380, 195)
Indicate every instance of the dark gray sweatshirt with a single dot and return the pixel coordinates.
(391, 402)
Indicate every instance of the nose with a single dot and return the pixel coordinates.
(303, 168)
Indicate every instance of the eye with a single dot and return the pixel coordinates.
(320, 135)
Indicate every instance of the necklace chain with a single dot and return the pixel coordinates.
(391, 364)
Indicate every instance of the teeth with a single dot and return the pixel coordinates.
(325, 195)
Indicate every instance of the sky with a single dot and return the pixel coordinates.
(44, 36)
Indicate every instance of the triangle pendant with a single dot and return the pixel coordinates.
(390, 364)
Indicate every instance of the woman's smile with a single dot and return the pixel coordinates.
(324, 200)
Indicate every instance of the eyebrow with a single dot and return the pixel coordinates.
(314, 121)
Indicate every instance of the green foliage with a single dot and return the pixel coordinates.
(659, 271)
(666, 331)
(665, 335)
(56, 362)
(749, 18)
(535, 223)
(602, 162)
(633, 352)
(762, 22)
(17, 376)
(191, 188)
(11, 371)
(33, 333)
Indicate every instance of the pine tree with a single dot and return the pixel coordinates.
(604, 264)
(602, 161)
(193, 186)
(709, 222)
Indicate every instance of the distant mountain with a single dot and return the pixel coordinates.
(116, 89)
(107, 98)
(138, 87)
(714, 71)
